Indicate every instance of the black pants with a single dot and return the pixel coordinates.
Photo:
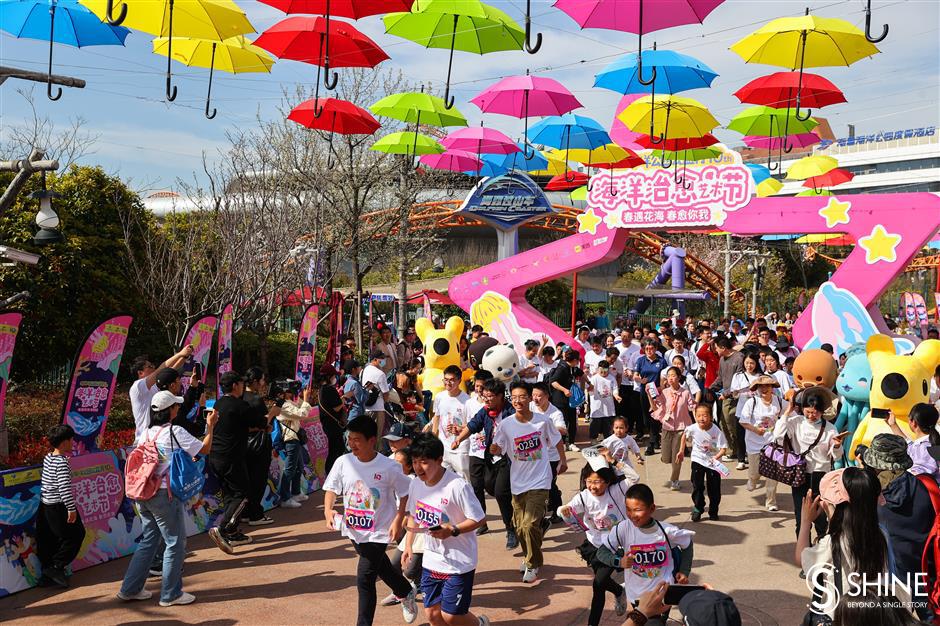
(602, 583)
(571, 421)
(373, 564)
(258, 466)
(554, 494)
(493, 479)
(634, 411)
(601, 426)
(233, 474)
(702, 476)
(652, 425)
(58, 541)
(811, 482)
(334, 435)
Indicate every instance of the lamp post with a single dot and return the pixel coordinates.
(46, 219)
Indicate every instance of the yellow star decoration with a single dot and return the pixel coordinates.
(588, 221)
(719, 216)
(835, 212)
(612, 219)
(880, 245)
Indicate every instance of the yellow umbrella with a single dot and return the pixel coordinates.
(201, 19)
(815, 165)
(235, 55)
(768, 187)
(819, 238)
(580, 193)
(610, 153)
(684, 117)
(556, 163)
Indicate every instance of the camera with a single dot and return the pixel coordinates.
(289, 386)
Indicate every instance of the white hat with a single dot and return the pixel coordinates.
(164, 400)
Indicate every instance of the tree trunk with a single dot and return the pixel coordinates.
(357, 316)
(403, 263)
(263, 351)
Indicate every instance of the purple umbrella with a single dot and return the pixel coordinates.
(522, 96)
(480, 140)
(800, 140)
(453, 160)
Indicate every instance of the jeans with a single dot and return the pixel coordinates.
(58, 542)
(812, 482)
(233, 475)
(162, 518)
(492, 478)
(701, 476)
(528, 509)
(373, 564)
(290, 478)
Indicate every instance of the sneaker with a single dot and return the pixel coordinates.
(741, 465)
(713, 517)
(482, 530)
(240, 539)
(484, 620)
(620, 605)
(155, 572)
(728, 459)
(409, 607)
(523, 567)
(220, 541)
(290, 503)
(57, 576)
(650, 451)
(772, 508)
(573, 448)
(143, 594)
(696, 515)
(512, 541)
(264, 521)
(530, 574)
(675, 485)
(183, 598)
(802, 574)
(750, 486)
(301, 497)
(390, 600)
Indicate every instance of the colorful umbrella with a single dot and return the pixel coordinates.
(418, 107)
(682, 143)
(305, 39)
(779, 90)
(623, 136)
(453, 161)
(807, 167)
(480, 140)
(760, 120)
(34, 19)
(624, 160)
(580, 193)
(758, 172)
(235, 55)
(563, 182)
(467, 25)
(832, 239)
(569, 131)
(815, 192)
(407, 143)
(628, 16)
(489, 168)
(832, 178)
(799, 140)
(769, 187)
(534, 163)
(689, 117)
(670, 157)
(335, 116)
(674, 73)
(198, 19)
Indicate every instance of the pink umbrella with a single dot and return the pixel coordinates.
(628, 16)
(453, 160)
(480, 140)
(619, 133)
(800, 140)
(522, 96)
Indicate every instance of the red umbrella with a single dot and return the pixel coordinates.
(675, 145)
(560, 183)
(321, 42)
(341, 117)
(435, 297)
(831, 178)
(779, 90)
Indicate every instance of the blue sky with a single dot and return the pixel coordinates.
(142, 137)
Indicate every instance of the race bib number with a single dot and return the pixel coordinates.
(360, 519)
(650, 559)
(477, 443)
(426, 515)
(528, 447)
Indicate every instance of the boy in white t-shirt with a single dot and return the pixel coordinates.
(444, 509)
(368, 484)
(548, 363)
(529, 362)
(544, 410)
(708, 446)
(619, 446)
(605, 392)
(450, 417)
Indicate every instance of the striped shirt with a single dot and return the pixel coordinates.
(57, 481)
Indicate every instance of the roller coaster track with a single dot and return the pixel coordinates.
(445, 214)
(918, 263)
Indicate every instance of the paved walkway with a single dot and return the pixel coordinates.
(298, 572)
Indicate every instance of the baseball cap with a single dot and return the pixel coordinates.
(398, 432)
(166, 377)
(164, 400)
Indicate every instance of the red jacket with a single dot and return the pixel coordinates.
(711, 360)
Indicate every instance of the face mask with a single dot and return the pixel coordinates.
(382, 362)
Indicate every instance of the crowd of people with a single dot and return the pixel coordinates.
(414, 470)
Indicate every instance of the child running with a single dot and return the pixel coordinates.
(605, 391)
(442, 506)
(619, 446)
(644, 547)
(758, 418)
(671, 408)
(412, 568)
(708, 446)
(601, 506)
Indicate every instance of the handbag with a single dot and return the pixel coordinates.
(779, 462)
(301, 434)
(185, 478)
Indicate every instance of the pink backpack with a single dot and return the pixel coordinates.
(141, 481)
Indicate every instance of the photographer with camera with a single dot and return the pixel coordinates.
(285, 395)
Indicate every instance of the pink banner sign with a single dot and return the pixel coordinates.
(88, 401)
(99, 488)
(307, 345)
(317, 445)
(224, 355)
(9, 328)
(200, 337)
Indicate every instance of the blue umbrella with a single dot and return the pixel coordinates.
(779, 237)
(674, 73)
(517, 160)
(569, 131)
(759, 173)
(79, 27)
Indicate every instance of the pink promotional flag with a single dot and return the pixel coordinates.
(200, 337)
(223, 361)
(307, 345)
(9, 328)
(619, 133)
(88, 400)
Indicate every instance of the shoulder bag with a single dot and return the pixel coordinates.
(779, 462)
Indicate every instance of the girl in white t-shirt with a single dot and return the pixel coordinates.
(596, 510)
(411, 570)
(604, 393)
(758, 418)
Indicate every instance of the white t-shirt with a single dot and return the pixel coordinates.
(616, 367)
(374, 375)
(602, 395)
(705, 443)
(141, 397)
(786, 383)
(591, 360)
(450, 501)
(525, 445)
(476, 441)
(619, 449)
(691, 361)
(555, 418)
(628, 357)
(451, 410)
(652, 552)
(741, 384)
(368, 491)
(600, 514)
(545, 369)
(525, 362)
(761, 415)
(166, 444)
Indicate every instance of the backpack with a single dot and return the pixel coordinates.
(141, 481)
(277, 435)
(577, 397)
(930, 562)
(185, 478)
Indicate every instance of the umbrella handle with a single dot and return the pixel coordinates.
(525, 126)
(49, 77)
(330, 163)
(868, 36)
(613, 192)
(662, 137)
(317, 108)
(528, 31)
(210, 116)
(567, 152)
(414, 150)
(109, 14)
(170, 89)
(802, 118)
(639, 54)
(449, 99)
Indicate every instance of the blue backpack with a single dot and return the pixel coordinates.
(577, 397)
(277, 435)
(186, 479)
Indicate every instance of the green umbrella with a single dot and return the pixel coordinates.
(761, 121)
(418, 108)
(580, 193)
(467, 25)
(694, 154)
(408, 143)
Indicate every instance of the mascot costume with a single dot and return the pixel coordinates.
(502, 362)
(440, 350)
